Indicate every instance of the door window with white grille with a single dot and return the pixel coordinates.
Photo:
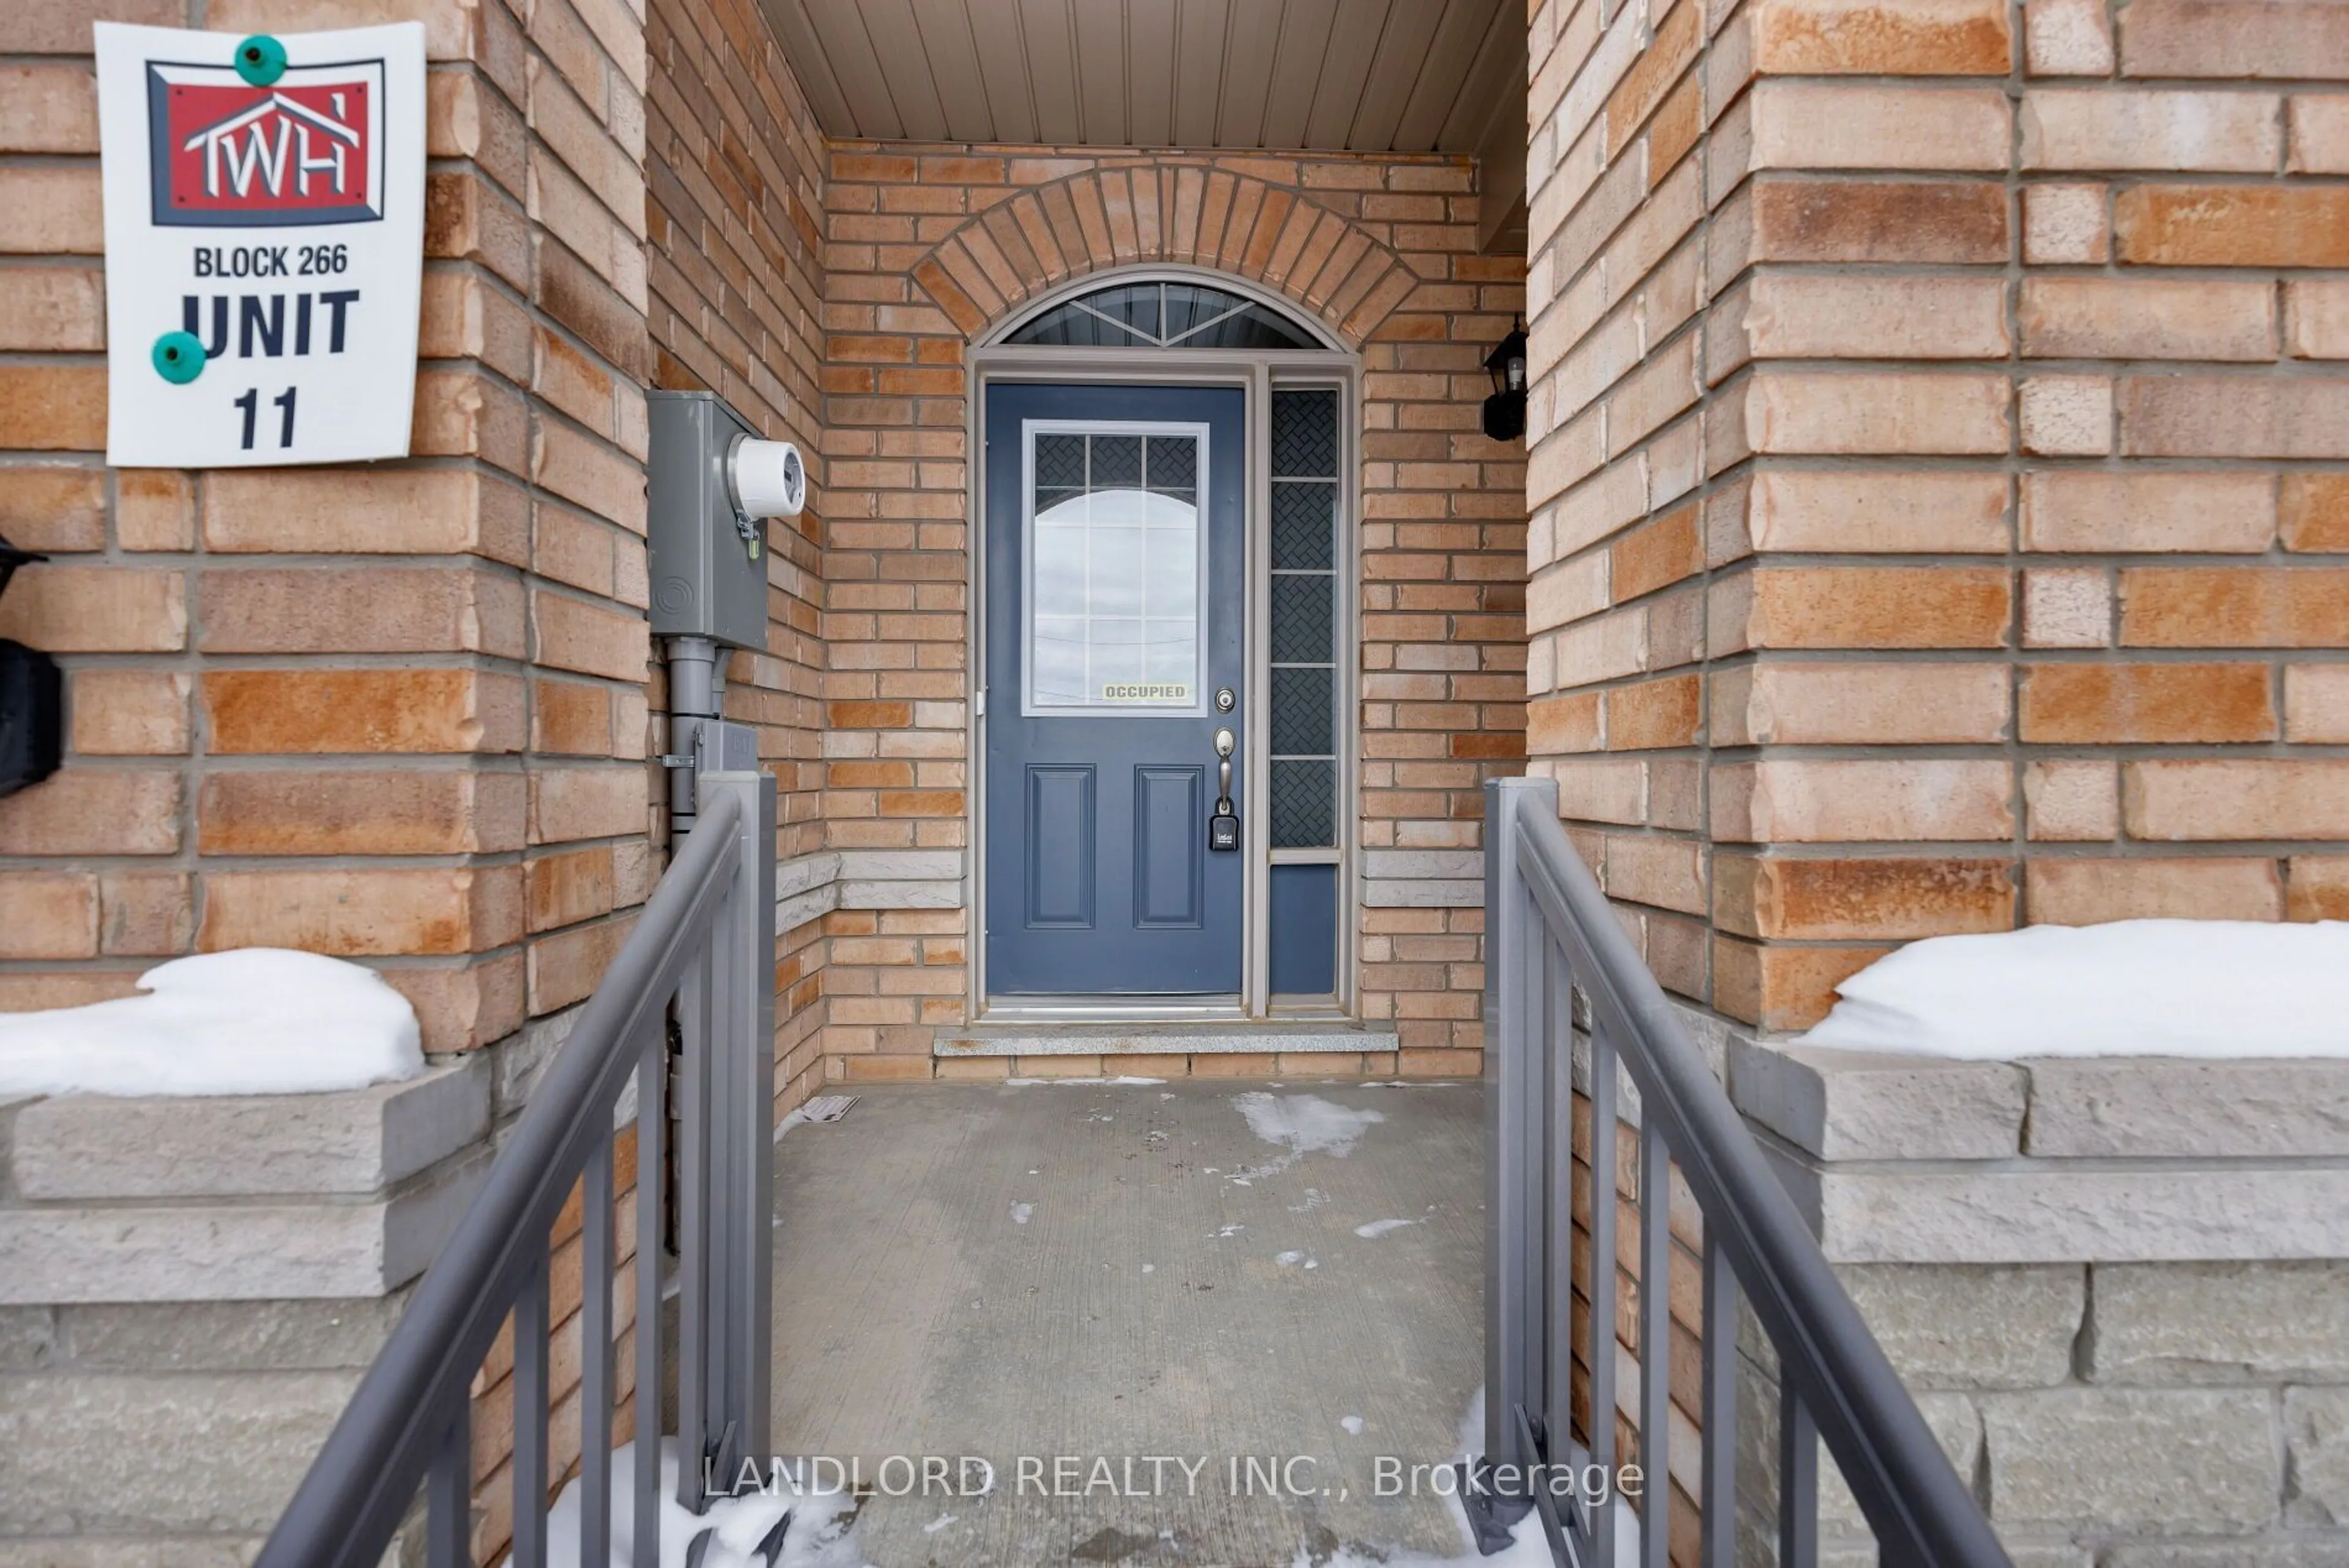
(1117, 569)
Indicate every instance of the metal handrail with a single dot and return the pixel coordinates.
(706, 939)
(1552, 935)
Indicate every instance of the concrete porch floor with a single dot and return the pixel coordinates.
(1102, 1270)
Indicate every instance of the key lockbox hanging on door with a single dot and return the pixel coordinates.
(1224, 827)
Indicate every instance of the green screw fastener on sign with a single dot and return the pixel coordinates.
(179, 357)
(261, 60)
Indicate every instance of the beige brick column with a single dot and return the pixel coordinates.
(1935, 524)
(392, 712)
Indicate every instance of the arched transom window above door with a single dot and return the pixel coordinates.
(1163, 314)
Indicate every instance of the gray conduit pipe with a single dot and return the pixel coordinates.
(697, 685)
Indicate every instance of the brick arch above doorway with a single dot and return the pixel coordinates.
(1331, 267)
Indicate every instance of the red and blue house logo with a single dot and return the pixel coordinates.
(306, 149)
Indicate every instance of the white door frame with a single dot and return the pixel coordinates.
(1256, 373)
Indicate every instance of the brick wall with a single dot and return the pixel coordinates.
(1927, 470)
(735, 170)
(454, 649)
(1614, 614)
(927, 247)
(396, 713)
(1933, 526)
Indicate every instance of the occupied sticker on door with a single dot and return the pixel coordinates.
(1116, 691)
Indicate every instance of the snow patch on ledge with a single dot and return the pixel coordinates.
(258, 1021)
(2220, 989)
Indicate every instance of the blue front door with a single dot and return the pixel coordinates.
(1115, 617)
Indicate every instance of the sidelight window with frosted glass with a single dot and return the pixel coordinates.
(1117, 570)
(1304, 619)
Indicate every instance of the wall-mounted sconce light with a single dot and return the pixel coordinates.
(1505, 411)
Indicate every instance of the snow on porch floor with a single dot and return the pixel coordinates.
(1201, 1270)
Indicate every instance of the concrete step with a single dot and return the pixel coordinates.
(1162, 1039)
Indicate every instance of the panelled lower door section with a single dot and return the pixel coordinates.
(1115, 612)
(1303, 722)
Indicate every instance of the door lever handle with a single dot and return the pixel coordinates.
(1223, 828)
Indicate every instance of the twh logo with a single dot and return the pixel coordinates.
(306, 149)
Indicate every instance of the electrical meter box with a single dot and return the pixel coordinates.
(708, 560)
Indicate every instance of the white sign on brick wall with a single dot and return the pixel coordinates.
(264, 240)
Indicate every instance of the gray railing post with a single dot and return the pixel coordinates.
(748, 1109)
(698, 1195)
(1514, 1099)
(729, 1149)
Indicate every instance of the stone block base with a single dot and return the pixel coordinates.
(2120, 1290)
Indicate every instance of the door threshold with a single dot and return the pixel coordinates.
(1140, 1037)
(1022, 1010)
